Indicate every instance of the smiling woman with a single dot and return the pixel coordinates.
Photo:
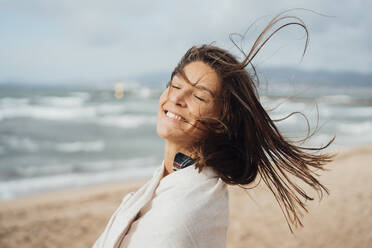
(216, 133)
(190, 95)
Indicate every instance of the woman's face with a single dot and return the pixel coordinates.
(185, 101)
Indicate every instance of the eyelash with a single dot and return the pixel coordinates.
(200, 99)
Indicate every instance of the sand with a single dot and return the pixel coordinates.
(75, 218)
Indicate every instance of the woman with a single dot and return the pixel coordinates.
(216, 133)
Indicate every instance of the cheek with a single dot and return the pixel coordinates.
(163, 97)
(164, 127)
(162, 100)
(200, 111)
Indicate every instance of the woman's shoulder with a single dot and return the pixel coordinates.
(188, 207)
(208, 202)
(193, 194)
(189, 185)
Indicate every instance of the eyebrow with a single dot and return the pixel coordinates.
(200, 87)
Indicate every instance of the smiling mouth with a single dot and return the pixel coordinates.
(174, 116)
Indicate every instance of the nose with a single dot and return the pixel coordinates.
(177, 96)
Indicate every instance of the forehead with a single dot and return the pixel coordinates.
(201, 74)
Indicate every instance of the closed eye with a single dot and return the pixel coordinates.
(176, 87)
(199, 98)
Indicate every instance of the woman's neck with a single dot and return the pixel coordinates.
(171, 149)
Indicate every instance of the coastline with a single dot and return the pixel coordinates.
(76, 217)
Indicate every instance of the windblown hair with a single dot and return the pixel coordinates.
(244, 141)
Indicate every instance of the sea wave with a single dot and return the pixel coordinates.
(81, 94)
(54, 168)
(127, 121)
(336, 99)
(63, 112)
(111, 108)
(362, 128)
(26, 144)
(46, 112)
(32, 185)
(10, 142)
(13, 101)
(78, 146)
(106, 114)
(62, 101)
(342, 112)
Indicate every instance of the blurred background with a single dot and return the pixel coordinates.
(80, 80)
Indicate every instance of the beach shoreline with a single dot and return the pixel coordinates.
(76, 217)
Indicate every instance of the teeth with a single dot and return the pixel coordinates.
(173, 116)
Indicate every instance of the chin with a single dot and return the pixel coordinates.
(161, 133)
(171, 135)
(164, 132)
(166, 135)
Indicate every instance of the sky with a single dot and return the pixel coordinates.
(54, 41)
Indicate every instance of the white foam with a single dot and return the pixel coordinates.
(80, 94)
(48, 113)
(11, 101)
(48, 107)
(346, 112)
(27, 186)
(141, 106)
(284, 106)
(363, 128)
(65, 101)
(97, 166)
(107, 115)
(110, 109)
(336, 98)
(140, 90)
(26, 144)
(20, 143)
(72, 147)
(88, 167)
(145, 92)
(359, 112)
(127, 121)
(39, 171)
(294, 119)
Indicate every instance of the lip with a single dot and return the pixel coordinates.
(175, 113)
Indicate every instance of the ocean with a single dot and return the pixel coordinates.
(58, 137)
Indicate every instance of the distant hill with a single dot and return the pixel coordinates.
(280, 75)
(322, 77)
(266, 75)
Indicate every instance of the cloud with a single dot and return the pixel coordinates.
(57, 40)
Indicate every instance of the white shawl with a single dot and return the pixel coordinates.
(183, 209)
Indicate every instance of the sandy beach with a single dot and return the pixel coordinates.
(75, 218)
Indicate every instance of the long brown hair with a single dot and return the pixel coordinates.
(244, 141)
